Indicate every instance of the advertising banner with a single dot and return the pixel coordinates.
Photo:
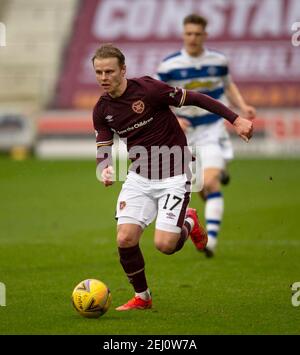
(260, 37)
(71, 135)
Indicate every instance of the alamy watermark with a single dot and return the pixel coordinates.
(296, 35)
(2, 35)
(2, 294)
(295, 294)
(155, 163)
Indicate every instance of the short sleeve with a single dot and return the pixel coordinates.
(163, 94)
(104, 135)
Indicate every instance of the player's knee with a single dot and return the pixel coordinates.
(125, 239)
(166, 247)
(211, 184)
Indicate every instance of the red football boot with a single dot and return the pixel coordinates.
(135, 303)
(198, 233)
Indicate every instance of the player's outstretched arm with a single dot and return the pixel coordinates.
(236, 99)
(242, 126)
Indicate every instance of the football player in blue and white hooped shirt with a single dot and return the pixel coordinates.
(197, 68)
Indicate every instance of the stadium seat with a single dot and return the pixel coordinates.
(30, 62)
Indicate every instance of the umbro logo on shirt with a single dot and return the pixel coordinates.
(170, 215)
(109, 118)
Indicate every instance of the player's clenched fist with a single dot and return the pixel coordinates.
(107, 176)
(243, 127)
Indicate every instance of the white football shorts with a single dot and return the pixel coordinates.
(141, 200)
(214, 148)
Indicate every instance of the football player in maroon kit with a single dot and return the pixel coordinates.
(138, 110)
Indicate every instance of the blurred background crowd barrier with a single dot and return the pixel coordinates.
(48, 88)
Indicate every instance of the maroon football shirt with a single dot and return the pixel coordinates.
(142, 116)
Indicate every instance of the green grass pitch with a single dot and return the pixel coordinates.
(57, 228)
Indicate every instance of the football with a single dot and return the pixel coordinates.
(91, 298)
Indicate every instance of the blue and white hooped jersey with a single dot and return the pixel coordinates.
(208, 73)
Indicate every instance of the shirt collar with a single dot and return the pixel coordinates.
(185, 54)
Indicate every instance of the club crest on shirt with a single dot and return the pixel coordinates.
(122, 204)
(138, 106)
(212, 71)
(183, 73)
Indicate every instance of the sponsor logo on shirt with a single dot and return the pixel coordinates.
(195, 84)
(135, 126)
(138, 106)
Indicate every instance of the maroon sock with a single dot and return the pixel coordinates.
(134, 266)
(185, 231)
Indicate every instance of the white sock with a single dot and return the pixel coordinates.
(211, 243)
(145, 295)
(214, 209)
(191, 222)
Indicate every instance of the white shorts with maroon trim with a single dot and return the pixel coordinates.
(213, 141)
(142, 200)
